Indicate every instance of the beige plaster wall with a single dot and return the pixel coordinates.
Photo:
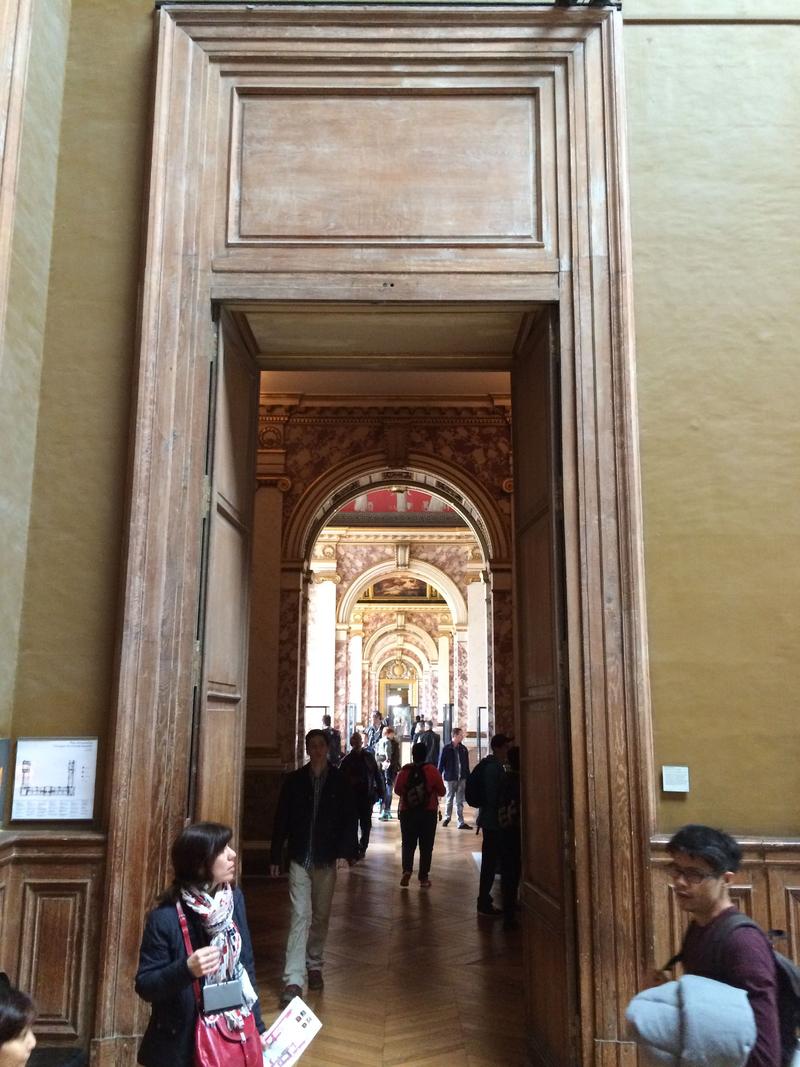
(29, 182)
(64, 672)
(714, 128)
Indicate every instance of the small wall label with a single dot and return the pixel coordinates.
(675, 779)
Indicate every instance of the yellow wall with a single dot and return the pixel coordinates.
(713, 124)
(64, 671)
(714, 128)
(40, 56)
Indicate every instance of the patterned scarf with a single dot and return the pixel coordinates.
(216, 915)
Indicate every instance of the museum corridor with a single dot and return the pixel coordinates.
(413, 977)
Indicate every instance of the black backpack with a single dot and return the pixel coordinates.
(787, 971)
(416, 786)
(475, 790)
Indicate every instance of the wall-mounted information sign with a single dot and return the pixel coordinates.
(54, 778)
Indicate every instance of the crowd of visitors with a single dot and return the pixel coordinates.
(196, 966)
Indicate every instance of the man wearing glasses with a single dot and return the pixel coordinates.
(704, 862)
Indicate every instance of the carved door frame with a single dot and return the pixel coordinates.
(582, 263)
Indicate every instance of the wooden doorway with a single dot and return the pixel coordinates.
(538, 215)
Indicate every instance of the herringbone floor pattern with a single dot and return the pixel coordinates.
(413, 978)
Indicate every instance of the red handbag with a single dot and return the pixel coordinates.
(215, 1045)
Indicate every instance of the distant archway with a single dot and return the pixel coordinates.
(416, 568)
(359, 475)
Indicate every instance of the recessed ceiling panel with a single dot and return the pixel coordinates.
(288, 337)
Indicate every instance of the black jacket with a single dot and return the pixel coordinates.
(432, 743)
(165, 982)
(335, 833)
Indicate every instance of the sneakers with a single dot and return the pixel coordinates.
(288, 993)
(405, 879)
(464, 826)
(385, 816)
(488, 909)
(315, 980)
(424, 883)
(446, 821)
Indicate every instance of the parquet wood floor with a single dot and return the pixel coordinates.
(413, 978)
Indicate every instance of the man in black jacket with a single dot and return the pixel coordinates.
(317, 816)
(432, 742)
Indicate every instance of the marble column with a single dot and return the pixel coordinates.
(443, 696)
(477, 655)
(355, 652)
(320, 686)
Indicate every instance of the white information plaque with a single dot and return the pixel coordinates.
(54, 778)
(675, 779)
(290, 1035)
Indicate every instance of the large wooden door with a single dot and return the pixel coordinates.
(550, 960)
(220, 704)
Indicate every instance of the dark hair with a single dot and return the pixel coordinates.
(429, 722)
(16, 1011)
(326, 720)
(513, 758)
(499, 740)
(717, 848)
(419, 752)
(193, 853)
(315, 733)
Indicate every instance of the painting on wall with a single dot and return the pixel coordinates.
(401, 588)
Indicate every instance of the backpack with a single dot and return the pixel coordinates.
(475, 789)
(416, 786)
(788, 980)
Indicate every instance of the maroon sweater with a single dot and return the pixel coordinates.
(744, 959)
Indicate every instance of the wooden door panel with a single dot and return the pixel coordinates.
(544, 944)
(543, 855)
(551, 965)
(223, 684)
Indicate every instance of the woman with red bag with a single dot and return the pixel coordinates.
(196, 953)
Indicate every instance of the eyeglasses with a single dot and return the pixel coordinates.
(690, 875)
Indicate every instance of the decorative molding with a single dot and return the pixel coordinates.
(264, 481)
(318, 577)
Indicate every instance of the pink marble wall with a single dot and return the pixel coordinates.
(503, 656)
(291, 646)
(451, 559)
(460, 711)
(353, 560)
(339, 713)
(478, 441)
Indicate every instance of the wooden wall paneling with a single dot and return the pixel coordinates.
(767, 888)
(51, 887)
(783, 876)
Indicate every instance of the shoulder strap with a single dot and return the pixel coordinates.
(722, 930)
(189, 950)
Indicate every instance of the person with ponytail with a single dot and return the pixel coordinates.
(203, 911)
